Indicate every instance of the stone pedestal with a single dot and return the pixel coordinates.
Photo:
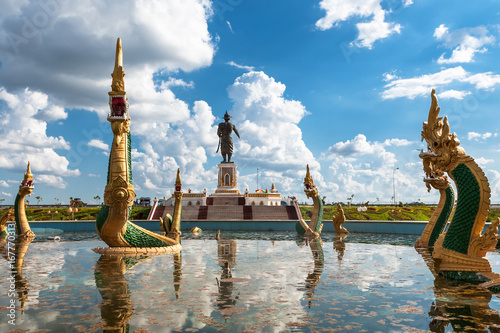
(227, 180)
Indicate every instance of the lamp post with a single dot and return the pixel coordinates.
(257, 178)
(394, 186)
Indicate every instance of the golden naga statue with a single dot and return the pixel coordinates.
(112, 223)
(459, 253)
(338, 220)
(8, 216)
(23, 229)
(438, 180)
(170, 226)
(313, 230)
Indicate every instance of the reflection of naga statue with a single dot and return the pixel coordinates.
(116, 306)
(460, 251)
(339, 246)
(459, 304)
(466, 308)
(109, 274)
(16, 263)
(312, 278)
(23, 229)
(338, 220)
(438, 180)
(112, 223)
(313, 230)
(226, 253)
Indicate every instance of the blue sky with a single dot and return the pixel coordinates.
(343, 86)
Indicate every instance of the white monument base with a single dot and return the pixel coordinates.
(227, 181)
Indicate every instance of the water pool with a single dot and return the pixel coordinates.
(247, 282)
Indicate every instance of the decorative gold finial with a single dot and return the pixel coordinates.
(308, 179)
(28, 177)
(178, 184)
(178, 179)
(118, 84)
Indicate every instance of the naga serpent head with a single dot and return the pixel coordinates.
(435, 178)
(310, 189)
(442, 146)
(27, 186)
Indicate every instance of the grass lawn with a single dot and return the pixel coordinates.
(386, 213)
(374, 213)
(84, 213)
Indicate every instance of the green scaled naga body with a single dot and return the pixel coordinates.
(438, 180)
(112, 222)
(313, 230)
(459, 253)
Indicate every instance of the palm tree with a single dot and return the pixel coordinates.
(38, 199)
(97, 198)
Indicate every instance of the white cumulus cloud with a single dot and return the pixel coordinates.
(70, 58)
(71, 55)
(268, 126)
(24, 138)
(422, 85)
(483, 161)
(247, 68)
(466, 42)
(369, 31)
(166, 146)
(98, 144)
(477, 136)
(51, 180)
(372, 169)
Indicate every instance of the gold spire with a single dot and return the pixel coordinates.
(308, 179)
(178, 179)
(28, 177)
(273, 187)
(118, 84)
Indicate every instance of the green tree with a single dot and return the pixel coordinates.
(38, 199)
(97, 198)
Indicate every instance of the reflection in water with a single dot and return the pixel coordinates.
(177, 273)
(226, 258)
(116, 305)
(261, 287)
(462, 305)
(339, 246)
(312, 278)
(14, 253)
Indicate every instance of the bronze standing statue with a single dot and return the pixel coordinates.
(225, 140)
